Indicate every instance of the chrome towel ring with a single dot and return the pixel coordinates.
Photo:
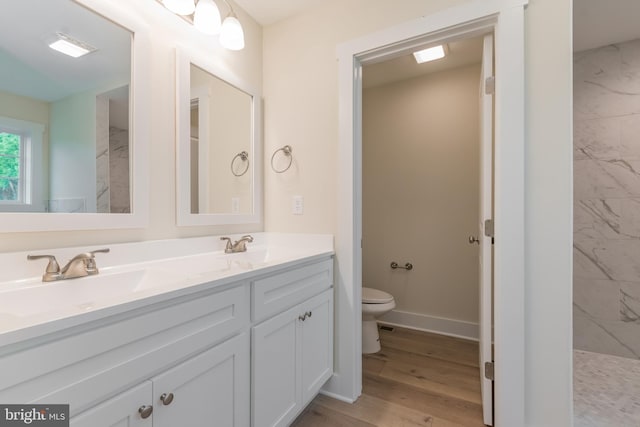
(243, 156)
(286, 150)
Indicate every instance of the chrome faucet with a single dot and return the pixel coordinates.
(239, 246)
(81, 265)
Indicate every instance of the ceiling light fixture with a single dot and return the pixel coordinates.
(205, 16)
(430, 54)
(70, 46)
(232, 36)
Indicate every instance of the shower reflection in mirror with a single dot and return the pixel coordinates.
(64, 110)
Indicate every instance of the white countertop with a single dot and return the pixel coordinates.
(133, 275)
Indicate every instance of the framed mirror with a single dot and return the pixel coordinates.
(74, 90)
(219, 152)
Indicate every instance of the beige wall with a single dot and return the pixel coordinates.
(301, 109)
(421, 192)
(301, 102)
(166, 31)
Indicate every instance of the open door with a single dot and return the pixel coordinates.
(486, 229)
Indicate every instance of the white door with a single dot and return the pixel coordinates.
(486, 204)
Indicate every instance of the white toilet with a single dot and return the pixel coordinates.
(375, 303)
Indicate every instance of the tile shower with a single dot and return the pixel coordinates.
(606, 305)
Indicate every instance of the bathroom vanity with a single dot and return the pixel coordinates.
(185, 335)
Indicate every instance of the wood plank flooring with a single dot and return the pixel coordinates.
(418, 379)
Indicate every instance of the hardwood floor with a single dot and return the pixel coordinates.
(418, 379)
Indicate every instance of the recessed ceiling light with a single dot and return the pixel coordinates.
(430, 54)
(70, 46)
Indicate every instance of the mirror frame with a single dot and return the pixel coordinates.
(139, 119)
(184, 58)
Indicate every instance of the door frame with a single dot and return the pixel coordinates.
(505, 18)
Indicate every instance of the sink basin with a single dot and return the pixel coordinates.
(36, 297)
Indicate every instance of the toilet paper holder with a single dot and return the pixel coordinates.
(407, 266)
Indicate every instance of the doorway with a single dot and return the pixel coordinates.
(424, 125)
(507, 23)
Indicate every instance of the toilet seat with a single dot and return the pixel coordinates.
(375, 296)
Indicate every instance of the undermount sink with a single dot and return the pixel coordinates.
(36, 297)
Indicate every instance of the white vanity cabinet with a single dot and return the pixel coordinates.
(292, 352)
(251, 349)
(195, 346)
(210, 389)
(120, 410)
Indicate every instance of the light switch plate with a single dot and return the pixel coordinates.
(297, 205)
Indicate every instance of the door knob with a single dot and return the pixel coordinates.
(166, 398)
(473, 239)
(145, 411)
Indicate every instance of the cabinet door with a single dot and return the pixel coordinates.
(316, 344)
(120, 411)
(210, 389)
(276, 366)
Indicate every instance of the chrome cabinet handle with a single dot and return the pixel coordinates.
(166, 398)
(145, 411)
(473, 239)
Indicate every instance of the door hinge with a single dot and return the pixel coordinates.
(488, 228)
(490, 85)
(488, 371)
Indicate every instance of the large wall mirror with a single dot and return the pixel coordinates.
(73, 125)
(219, 149)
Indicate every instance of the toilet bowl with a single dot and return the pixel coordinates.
(375, 303)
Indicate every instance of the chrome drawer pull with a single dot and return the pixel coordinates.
(145, 411)
(166, 398)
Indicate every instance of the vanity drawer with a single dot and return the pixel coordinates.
(274, 294)
(93, 364)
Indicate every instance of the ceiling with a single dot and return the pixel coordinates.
(28, 67)
(460, 53)
(596, 22)
(267, 12)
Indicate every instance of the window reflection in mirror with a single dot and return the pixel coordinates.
(64, 121)
(221, 120)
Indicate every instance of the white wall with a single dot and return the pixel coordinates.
(548, 213)
(166, 31)
(301, 99)
(72, 151)
(421, 195)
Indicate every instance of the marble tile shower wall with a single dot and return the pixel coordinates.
(607, 200)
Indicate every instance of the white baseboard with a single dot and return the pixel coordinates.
(337, 396)
(436, 325)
